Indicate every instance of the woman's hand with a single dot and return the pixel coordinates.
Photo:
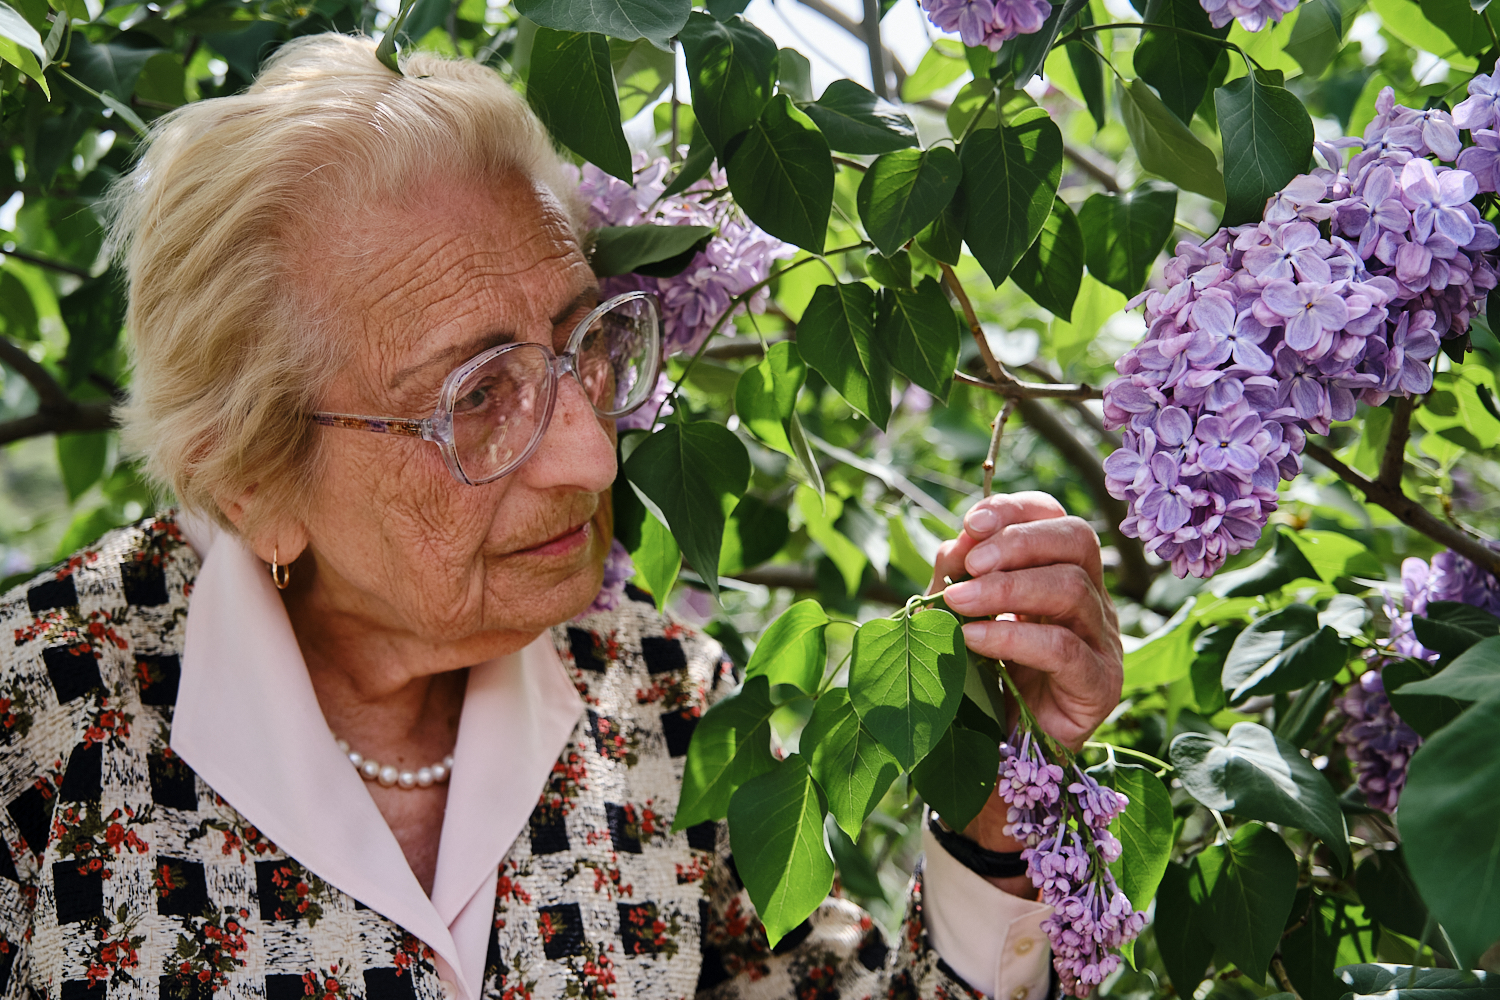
(1025, 556)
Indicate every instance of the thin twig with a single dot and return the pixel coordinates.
(79, 417)
(1134, 574)
(742, 348)
(890, 477)
(1091, 168)
(851, 164)
(998, 375)
(1393, 460)
(54, 265)
(1282, 978)
(1408, 511)
(1016, 389)
(994, 453)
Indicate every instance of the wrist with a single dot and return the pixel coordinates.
(1003, 868)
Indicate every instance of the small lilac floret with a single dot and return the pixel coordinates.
(988, 23)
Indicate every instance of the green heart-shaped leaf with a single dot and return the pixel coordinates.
(851, 766)
(1254, 775)
(905, 190)
(906, 678)
(776, 833)
(782, 176)
(695, 473)
(731, 745)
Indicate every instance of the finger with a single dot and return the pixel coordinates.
(949, 563)
(1039, 543)
(1079, 675)
(986, 517)
(995, 512)
(1061, 593)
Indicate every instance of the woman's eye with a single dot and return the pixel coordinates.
(475, 397)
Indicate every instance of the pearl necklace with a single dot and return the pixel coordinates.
(388, 775)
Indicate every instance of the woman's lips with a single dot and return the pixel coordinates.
(560, 545)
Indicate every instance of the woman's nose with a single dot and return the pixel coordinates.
(576, 449)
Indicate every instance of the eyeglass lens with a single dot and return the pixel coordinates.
(500, 408)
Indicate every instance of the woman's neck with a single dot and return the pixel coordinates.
(393, 697)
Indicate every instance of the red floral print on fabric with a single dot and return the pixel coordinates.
(211, 947)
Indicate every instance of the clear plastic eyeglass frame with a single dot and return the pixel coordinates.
(438, 428)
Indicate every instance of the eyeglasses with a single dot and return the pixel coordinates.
(494, 408)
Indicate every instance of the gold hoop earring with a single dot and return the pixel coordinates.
(280, 575)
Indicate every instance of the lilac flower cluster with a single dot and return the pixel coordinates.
(987, 22)
(617, 570)
(735, 260)
(1342, 292)
(1068, 861)
(1376, 740)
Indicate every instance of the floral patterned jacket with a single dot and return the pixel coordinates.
(122, 875)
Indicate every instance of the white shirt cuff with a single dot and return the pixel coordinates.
(992, 939)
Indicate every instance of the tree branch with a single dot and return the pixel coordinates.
(1282, 978)
(997, 429)
(51, 395)
(56, 413)
(856, 29)
(1408, 511)
(55, 265)
(870, 29)
(79, 417)
(1393, 461)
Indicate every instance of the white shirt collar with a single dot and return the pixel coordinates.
(248, 722)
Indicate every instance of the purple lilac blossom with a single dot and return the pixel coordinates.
(1069, 848)
(1377, 741)
(1449, 577)
(1343, 292)
(987, 22)
(737, 258)
(1375, 738)
(617, 570)
(1253, 15)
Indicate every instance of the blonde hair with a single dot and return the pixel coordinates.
(228, 359)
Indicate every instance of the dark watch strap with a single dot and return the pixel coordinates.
(979, 860)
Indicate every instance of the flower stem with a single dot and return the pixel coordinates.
(1112, 749)
(1077, 35)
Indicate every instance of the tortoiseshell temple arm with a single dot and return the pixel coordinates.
(376, 425)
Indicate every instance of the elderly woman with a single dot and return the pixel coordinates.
(336, 730)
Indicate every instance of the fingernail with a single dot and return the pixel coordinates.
(983, 559)
(976, 631)
(961, 592)
(981, 520)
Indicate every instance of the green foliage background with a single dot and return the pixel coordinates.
(1052, 198)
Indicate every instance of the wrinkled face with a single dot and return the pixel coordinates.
(422, 288)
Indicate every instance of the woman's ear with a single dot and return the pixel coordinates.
(281, 539)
